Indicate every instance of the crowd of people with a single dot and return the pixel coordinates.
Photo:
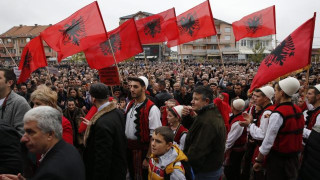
(166, 120)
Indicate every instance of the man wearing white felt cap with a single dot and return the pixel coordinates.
(283, 140)
(257, 129)
(236, 141)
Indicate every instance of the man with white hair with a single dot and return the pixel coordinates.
(257, 129)
(43, 135)
(236, 141)
(283, 140)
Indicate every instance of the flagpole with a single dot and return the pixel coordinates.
(182, 63)
(220, 52)
(105, 30)
(48, 76)
(275, 41)
(8, 53)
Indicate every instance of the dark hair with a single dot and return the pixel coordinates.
(162, 83)
(206, 92)
(316, 91)
(172, 111)
(71, 99)
(259, 91)
(9, 75)
(279, 89)
(165, 132)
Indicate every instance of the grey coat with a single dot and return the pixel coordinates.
(13, 113)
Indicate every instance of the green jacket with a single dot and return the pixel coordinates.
(205, 142)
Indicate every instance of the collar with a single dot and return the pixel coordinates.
(103, 105)
(167, 158)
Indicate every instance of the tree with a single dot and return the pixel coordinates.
(257, 55)
(78, 58)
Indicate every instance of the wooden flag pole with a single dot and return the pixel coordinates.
(48, 76)
(182, 63)
(275, 41)
(220, 52)
(114, 57)
(9, 53)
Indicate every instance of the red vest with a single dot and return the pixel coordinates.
(242, 140)
(142, 122)
(313, 118)
(179, 132)
(164, 114)
(269, 107)
(289, 137)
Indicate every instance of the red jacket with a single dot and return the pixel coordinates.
(67, 133)
(289, 137)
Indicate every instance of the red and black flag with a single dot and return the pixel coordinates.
(257, 24)
(158, 28)
(32, 58)
(76, 33)
(194, 24)
(125, 43)
(291, 54)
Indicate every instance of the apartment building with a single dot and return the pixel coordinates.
(16, 38)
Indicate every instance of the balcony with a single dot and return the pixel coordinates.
(7, 55)
(199, 52)
(213, 51)
(8, 45)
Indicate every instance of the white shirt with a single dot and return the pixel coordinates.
(154, 121)
(1, 101)
(235, 132)
(103, 105)
(259, 133)
(182, 140)
(275, 122)
(306, 132)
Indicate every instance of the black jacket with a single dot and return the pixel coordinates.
(10, 150)
(62, 162)
(207, 135)
(105, 152)
(310, 168)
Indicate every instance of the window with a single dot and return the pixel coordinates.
(227, 29)
(243, 42)
(251, 43)
(227, 46)
(213, 38)
(227, 38)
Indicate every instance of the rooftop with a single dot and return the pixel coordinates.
(24, 31)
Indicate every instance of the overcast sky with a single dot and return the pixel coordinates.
(289, 13)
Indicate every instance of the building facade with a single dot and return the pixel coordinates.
(154, 51)
(16, 38)
(208, 48)
(246, 45)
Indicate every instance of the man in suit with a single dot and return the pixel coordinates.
(43, 135)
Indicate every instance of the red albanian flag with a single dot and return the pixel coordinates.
(78, 32)
(260, 23)
(158, 28)
(194, 24)
(291, 54)
(125, 43)
(32, 58)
